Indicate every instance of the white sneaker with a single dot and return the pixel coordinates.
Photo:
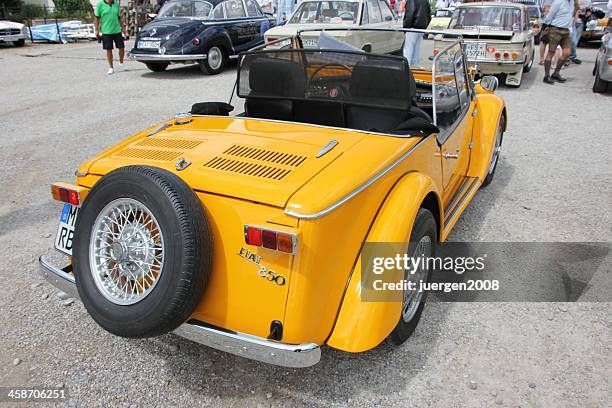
(123, 67)
(110, 71)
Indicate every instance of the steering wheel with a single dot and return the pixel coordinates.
(347, 15)
(332, 64)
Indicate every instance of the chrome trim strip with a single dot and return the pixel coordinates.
(467, 183)
(252, 347)
(360, 188)
(451, 216)
(327, 148)
(57, 277)
(166, 57)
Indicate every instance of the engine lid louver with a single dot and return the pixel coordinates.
(256, 162)
(158, 149)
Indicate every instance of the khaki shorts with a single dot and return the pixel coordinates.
(558, 36)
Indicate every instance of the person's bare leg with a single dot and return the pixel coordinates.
(121, 55)
(564, 56)
(548, 62)
(542, 52)
(109, 58)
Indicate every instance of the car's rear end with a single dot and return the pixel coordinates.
(495, 36)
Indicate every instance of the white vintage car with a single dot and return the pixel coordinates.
(498, 37)
(321, 14)
(12, 32)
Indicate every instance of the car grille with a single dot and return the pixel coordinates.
(9, 31)
(256, 162)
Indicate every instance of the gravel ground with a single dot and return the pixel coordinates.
(553, 184)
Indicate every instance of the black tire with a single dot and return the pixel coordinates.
(157, 66)
(595, 68)
(19, 43)
(210, 66)
(491, 172)
(424, 225)
(528, 67)
(187, 247)
(599, 85)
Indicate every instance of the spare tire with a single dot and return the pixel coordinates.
(142, 253)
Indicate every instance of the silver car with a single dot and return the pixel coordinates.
(603, 66)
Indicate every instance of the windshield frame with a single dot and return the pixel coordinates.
(169, 3)
(356, 22)
(458, 10)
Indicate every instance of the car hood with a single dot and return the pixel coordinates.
(257, 160)
(10, 24)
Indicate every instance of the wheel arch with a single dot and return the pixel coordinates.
(361, 326)
(490, 109)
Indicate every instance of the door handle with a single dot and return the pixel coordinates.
(448, 155)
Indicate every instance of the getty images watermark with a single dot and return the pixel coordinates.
(489, 271)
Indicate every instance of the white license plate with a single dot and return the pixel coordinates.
(310, 42)
(476, 50)
(65, 231)
(151, 45)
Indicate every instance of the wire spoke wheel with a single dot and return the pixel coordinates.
(412, 298)
(126, 251)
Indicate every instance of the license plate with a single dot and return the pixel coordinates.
(149, 44)
(476, 50)
(310, 42)
(65, 230)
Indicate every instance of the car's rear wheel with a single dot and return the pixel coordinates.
(215, 60)
(142, 252)
(499, 135)
(157, 66)
(600, 86)
(19, 43)
(528, 67)
(423, 241)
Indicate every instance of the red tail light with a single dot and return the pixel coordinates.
(270, 239)
(195, 41)
(515, 55)
(506, 55)
(67, 193)
(271, 39)
(497, 55)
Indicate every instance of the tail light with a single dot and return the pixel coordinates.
(195, 41)
(436, 52)
(271, 39)
(67, 193)
(609, 61)
(506, 55)
(270, 239)
(497, 55)
(515, 55)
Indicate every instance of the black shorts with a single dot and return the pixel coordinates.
(109, 39)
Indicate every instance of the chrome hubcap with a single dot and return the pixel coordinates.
(214, 58)
(126, 251)
(412, 298)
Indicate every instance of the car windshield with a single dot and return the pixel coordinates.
(185, 8)
(534, 12)
(486, 18)
(326, 12)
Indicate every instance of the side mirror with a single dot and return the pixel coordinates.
(489, 83)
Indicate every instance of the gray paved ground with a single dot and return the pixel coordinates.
(57, 108)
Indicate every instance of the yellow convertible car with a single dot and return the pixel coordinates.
(245, 233)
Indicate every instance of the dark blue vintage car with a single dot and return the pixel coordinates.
(207, 32)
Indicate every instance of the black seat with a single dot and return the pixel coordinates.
(274, 79)
(376, 85)
(319, 113)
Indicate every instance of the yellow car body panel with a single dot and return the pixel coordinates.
(363, 325)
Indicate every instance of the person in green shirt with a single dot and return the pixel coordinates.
(110, 28)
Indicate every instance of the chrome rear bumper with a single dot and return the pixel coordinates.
(240, 344)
